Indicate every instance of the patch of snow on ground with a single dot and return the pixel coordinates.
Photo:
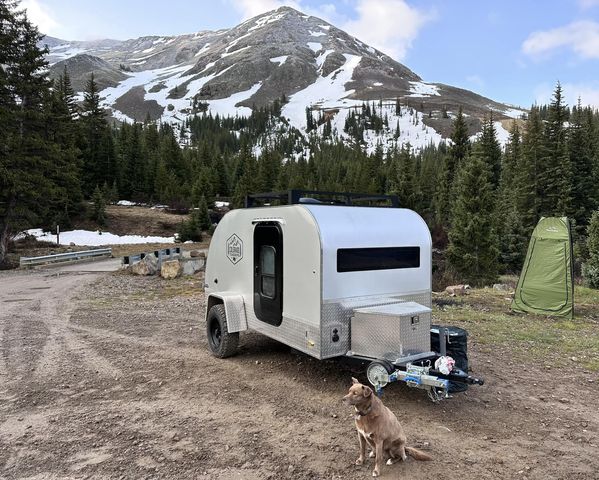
(377, 84)
(126, 203)
(316, 34)
(325, 92)
(280, 60)
(226, 106)
(221, 204)
(316, 47)
(202, 50)
(325, 27)
(421, 89)
(226, 54)
(514, 112)
(148, 50)
(160, 40)
(501, 133)
(96, 239)
(66, 51)
(322, 57)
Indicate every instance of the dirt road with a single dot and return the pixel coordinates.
(108, 376)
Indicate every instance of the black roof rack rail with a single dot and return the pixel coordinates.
(296, 196)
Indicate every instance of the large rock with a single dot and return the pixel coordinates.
(192, 265)
(171, 269)
(458, 290)
(146, 266)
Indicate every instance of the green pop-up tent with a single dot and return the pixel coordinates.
(545, 286)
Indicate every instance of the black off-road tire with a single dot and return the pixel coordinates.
(222, 343)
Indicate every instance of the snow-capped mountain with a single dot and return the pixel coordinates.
(282, 52)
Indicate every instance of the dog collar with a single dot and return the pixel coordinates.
(363, 414)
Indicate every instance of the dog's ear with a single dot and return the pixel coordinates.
(354, 380)
(367, 391)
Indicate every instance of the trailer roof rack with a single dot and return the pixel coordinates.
(317, 197)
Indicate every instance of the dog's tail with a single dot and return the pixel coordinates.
(418, 454)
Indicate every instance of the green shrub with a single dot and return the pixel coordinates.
(590, 269)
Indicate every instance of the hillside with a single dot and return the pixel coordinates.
(282, 53)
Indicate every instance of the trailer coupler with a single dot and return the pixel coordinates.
(435, 383)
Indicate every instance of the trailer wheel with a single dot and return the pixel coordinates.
(222, 343)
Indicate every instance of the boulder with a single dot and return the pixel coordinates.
(457, 290)
(146, 266)
(171, 269)
(502, 287)
(192, 265)
(197, 254)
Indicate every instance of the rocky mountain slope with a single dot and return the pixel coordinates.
(280, 53)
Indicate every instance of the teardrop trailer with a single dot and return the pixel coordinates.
(332, 275)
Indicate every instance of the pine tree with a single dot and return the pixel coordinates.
(473, 251)
(591, 267)
(528, 188)
(460, 144)
(491, 150)
(555, 173)
(26, 153)
(203, 216)
(98, 213)
(584, 187)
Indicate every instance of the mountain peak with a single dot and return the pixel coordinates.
(279, 53)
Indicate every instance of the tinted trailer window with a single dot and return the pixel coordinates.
(380, 258)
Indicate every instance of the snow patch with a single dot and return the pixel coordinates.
(502, 135)
(126, 203)
(316, 34)
(202, 50)
(322, 57)
(221, 204)
(227, 54)
(325, 92)
(316, 47)
(421, 89)
(280, 60)
(96, 239)
(377, 84)
(227, 106)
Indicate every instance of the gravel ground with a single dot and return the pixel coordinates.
(109, 376)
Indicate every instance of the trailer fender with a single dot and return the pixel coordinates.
(234, 310)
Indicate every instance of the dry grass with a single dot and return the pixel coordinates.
(486, 315)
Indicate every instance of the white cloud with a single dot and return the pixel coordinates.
(251, 8)
(388, 25)
(582, 37)
(39, 15)
(588, 93)
(584, 4)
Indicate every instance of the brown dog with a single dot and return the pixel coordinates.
(379, 428)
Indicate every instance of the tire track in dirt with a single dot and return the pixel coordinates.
(37, 335)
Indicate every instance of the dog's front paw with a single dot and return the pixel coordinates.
(372, 454)
(360, 461)
(375, 473)
(389, 462)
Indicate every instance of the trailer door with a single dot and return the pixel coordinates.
(268, 272)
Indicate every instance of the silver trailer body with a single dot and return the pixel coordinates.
(301, 274)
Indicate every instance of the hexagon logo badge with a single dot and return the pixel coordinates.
(234, 249)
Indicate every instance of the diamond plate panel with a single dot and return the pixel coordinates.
(292, 332)
(235, 311)
(337, 313)
(391, 331)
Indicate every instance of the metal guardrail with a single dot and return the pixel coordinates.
(65, 257)
(161, 255)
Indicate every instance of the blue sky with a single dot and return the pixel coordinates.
(511, 51)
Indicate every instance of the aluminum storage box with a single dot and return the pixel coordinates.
(391, 331)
